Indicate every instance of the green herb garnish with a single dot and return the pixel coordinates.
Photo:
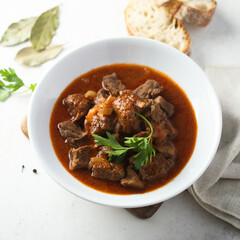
(140, 145)
(11, 83)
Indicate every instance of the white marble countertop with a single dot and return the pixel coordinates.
(33, 206)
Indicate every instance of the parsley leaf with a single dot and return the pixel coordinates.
(32, 87)
(10, 83)
(110, 142)
(141, 159)
(118, 153)
(140, 145)
(11, 77)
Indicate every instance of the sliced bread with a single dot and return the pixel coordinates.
(197, 12)
(151, 19)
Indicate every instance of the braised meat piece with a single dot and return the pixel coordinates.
(157, 109)
(100, 124)
(132, 180)
(156, 113)
(112, 84)
(166, 148)
(160, 131)
(117, 128)
(142, 134)
(167, 107)
(101, 97)
(101, 118)
(124, 106)
(102, 150)
(163, 129)
(153, 110)
(78, 105)
(72, 132)
(80, 157)
(150, 89)
(172, 132)
(158, 167)
(138, 104)
(103, 169)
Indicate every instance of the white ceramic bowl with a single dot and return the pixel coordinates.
(157, 55)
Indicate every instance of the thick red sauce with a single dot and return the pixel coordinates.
(132, 76)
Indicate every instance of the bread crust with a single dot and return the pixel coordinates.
(190, 14)
(186, 50)
(177, 22)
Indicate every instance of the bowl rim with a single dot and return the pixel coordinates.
(123, 205)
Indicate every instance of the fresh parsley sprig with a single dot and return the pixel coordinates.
(140, 145)
(11, 83)
(118, 153)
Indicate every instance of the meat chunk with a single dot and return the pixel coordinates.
(101, 97)
(160, 131)
(158, 167)
(138, 104)
(117, 128)
(101, 118)
(142, 134)
(80, 157)
(153, 110)
(124, 106)
(112, 84)
(156, 113)
(72, 132)
(103, 169)
(167, 107)
(150, 89)
(132, 180)
(78, 105)
(172, 132)
(100, 124)
(166, 148)
(163, 129)
(102, 150)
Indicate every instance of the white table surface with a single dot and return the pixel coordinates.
(33, 206)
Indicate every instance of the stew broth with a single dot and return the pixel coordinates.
(132, 76)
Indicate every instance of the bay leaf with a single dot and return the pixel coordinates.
(31, 57)
(18, 32)
(44, 29)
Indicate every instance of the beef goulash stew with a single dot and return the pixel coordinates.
(123, 129)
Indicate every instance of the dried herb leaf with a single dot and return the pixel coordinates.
(44, 28)
(31, 57)
(18, 32)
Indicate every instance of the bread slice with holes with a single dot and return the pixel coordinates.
(197, 12)
(150, 19)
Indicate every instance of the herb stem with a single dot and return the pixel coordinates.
(149, 124)
(16, 93)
